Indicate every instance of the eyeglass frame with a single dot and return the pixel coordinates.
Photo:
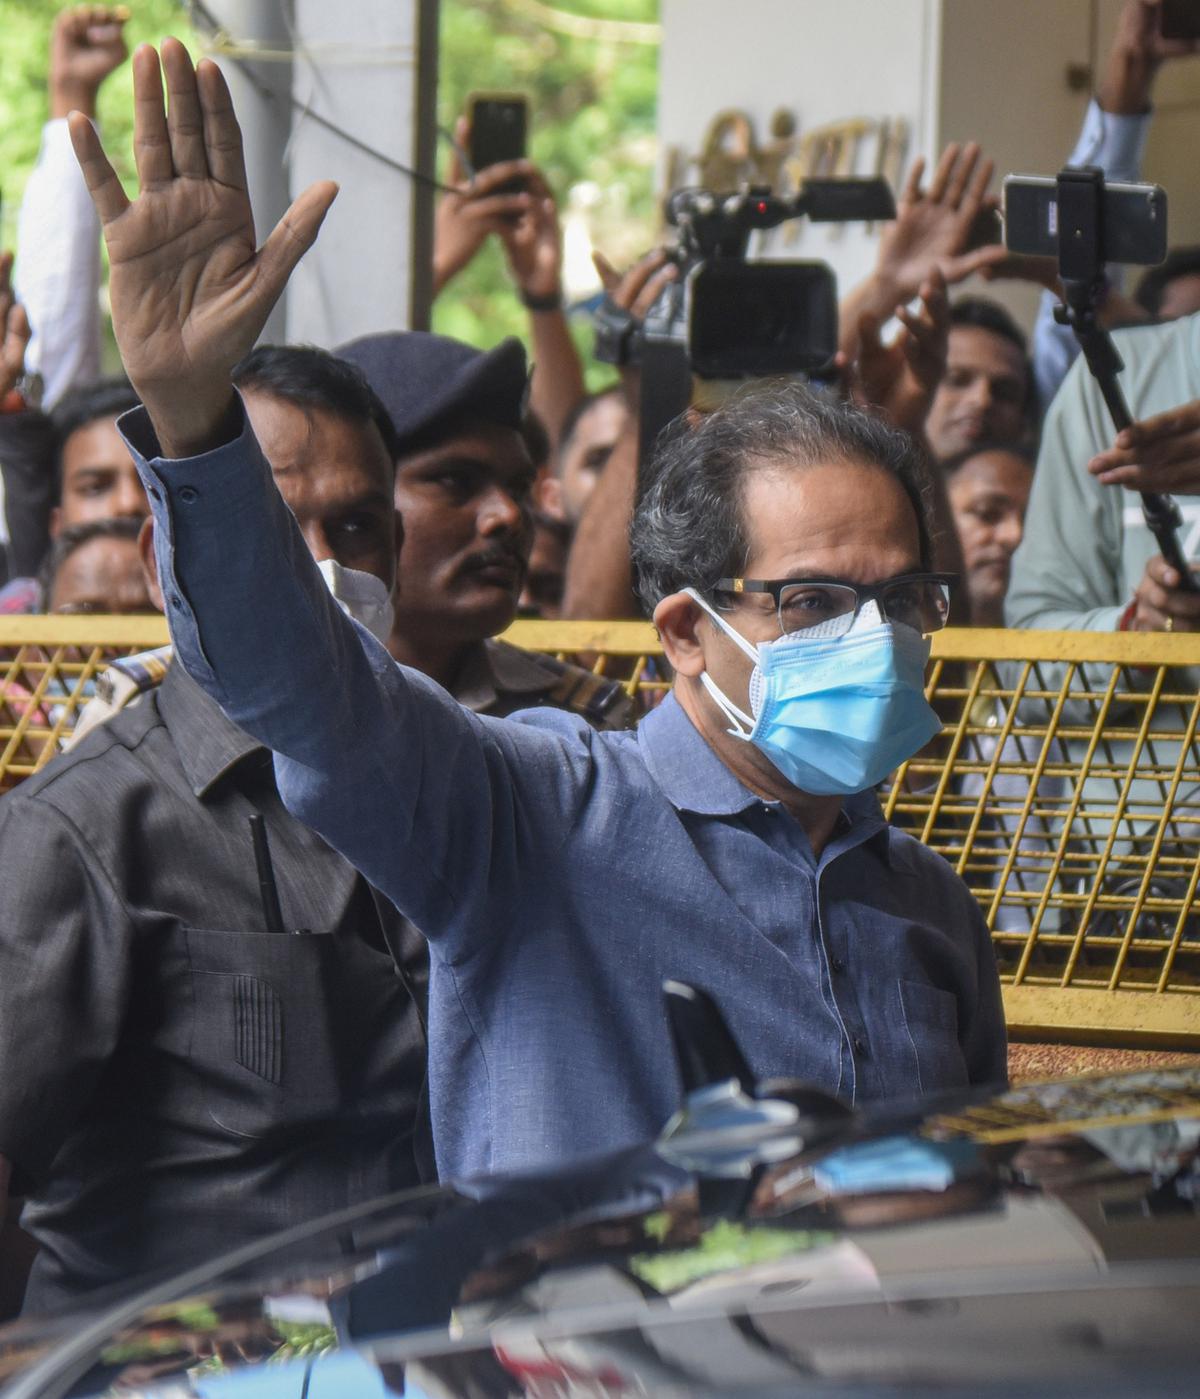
(863, 592)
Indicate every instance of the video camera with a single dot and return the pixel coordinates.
(729, 318)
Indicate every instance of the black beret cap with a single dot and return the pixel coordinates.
(431, 384)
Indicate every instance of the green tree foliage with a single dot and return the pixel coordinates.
(24, 63)
(592, 119)
(592, 101)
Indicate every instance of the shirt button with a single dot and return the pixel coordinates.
(838, 965)
(154, 493)
(860, 1046)
(176, 600)
(188, 494)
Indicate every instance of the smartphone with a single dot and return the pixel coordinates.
(499, 127)
(1135, 220)
(1180, 19)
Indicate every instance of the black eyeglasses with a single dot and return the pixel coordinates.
(917, 600)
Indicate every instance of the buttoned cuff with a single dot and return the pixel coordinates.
(194, 502)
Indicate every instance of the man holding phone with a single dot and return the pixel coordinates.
(507, 197)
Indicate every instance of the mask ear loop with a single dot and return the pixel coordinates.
(743, 723)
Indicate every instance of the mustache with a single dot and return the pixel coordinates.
(504, 555)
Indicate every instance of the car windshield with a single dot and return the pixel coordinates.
(983, 1242)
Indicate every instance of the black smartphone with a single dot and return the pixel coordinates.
(1135, 220)
(1180, 19)
(499, 129)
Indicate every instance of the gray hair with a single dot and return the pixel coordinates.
(688, 529)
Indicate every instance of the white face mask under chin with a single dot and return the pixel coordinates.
(361, 596)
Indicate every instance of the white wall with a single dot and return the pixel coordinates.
(356, 64)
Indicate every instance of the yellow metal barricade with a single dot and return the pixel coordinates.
(48, 668)
(1065, 789)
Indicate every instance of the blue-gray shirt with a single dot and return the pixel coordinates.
(561, 875)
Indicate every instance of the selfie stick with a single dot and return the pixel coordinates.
(1081, 268)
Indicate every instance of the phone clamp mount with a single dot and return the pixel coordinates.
(1081, 263)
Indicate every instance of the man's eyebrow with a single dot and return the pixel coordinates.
(97, 470)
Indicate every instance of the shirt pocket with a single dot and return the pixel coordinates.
(929, 1017)
(263, 1045)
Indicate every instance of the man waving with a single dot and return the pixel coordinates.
(560, 875)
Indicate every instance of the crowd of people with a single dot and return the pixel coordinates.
(488, 860)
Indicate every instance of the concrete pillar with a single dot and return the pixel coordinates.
(261, 91)
(357, 66)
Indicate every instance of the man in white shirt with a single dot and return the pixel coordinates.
(58, 234)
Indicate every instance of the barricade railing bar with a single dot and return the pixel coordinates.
(1064, 788)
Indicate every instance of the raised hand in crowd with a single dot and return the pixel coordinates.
(599, 580)
(1137, 52)
(470, 211)
(932, 231)
(14, 337)
(87, 44)
(900, 377)
(526, 223)
(1158, 454)
(190, 289)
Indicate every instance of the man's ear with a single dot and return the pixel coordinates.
(55, 522)
(678, 619)
(150, 563)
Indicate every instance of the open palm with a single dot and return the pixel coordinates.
(190, 290)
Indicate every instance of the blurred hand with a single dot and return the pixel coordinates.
(635, 291)
(533, 240)
(189, 291)
(932, 227)
(1160, 604)
(1160, 454)
(901, 378)
(1138, 50)
(86, 45)
(996, 264)
(472, 210)
(14, 332)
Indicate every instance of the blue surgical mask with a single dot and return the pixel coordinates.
(835, 715)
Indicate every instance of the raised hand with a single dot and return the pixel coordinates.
(933, 227)
(533, 241)
(470, 211)
(86, 45)
(635, 292)
(900, 378)
(1138, 51)
(14, 336)
(190, 290)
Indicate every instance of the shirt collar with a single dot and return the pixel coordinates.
(687, 770)
(694, 779)
(209, 745)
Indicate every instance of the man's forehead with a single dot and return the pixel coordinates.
(974, 345)
(98, 442)
(488, 444)
(851, 519)
(318, 447)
